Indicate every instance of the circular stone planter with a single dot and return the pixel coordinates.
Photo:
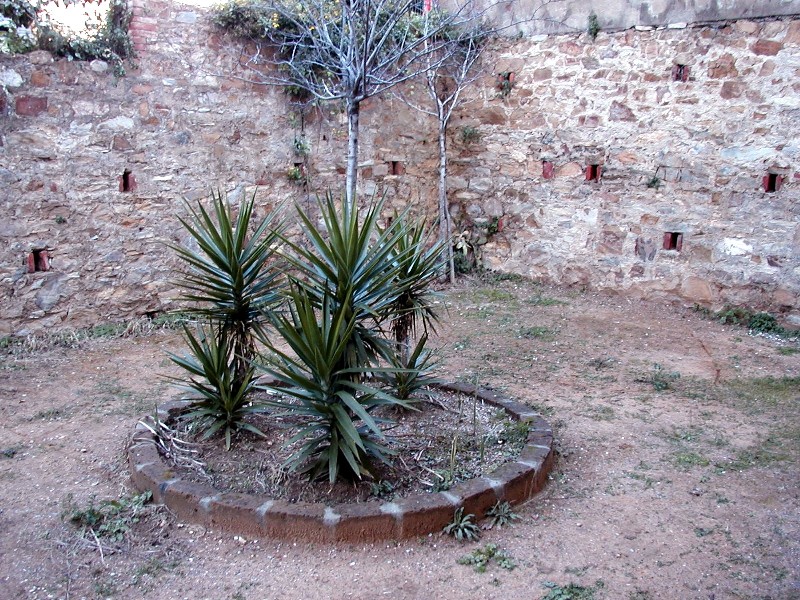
(413, 515)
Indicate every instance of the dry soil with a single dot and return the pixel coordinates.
(677, 474)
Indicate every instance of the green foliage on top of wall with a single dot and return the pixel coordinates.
(25, 27)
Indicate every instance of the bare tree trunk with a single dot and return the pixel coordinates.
(445, 223)
(353, 108)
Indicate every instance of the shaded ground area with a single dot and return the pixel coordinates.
(678, 474)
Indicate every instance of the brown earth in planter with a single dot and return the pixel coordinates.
(481, 436)
(688, 492)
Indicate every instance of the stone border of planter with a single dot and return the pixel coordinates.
(419, 514)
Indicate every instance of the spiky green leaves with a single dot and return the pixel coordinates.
(229, 274)
(232, 278)
(345, 284)
(350, 286)
(339, 433)
(220, 399)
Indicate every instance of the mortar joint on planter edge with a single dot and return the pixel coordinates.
(452, 498)
(331, 517)
(262, 510)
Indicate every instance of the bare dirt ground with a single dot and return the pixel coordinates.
(687, 492)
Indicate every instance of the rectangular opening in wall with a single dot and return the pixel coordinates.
(673, 240)
(772, 182)
(680, 73)
(396, 167)
(593, 172)
(127, 182)
(505, 81)
(38, 260)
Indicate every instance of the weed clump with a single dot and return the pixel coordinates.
(571, 591)
(463, 527)
(111, 519)
(500, 515)
(481, 558)
(755, 321)
(660, 379)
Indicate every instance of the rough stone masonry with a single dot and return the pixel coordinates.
(655, 161)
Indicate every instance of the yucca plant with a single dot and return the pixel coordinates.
(346, 279)
(231, 275)
(413, 373)
(417, 265)
(319, 383)
(353, 264)
(220, 397)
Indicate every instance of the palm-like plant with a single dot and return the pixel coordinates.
(354, 265)
(417, 266)
(357, 279)
(412, 372)
(320, 384)
(220, 396)
(230, 273)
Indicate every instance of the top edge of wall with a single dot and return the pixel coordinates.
(532, 17)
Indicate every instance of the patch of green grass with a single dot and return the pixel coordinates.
(645, 479)
(11, 451)
(462, 344)
(689, 460)
(52, 414)
(683, 435)
(758, 322)
(601, 413)
(243, 587)
(542, 409)
(106, 330)
(702, 531)
(482, 313)
(115, 399)
(770, 451)
(720, 441)
(152, 569)
(788, 350)
(104, 588)
(759, 394)
(602, 362)
(110, 518)
(659, 378)
(535, 332)
(540, 300)
(13, 365)
(494, 295)
(489, 276)
(75, 338)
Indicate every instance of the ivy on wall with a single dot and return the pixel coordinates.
(24, 26)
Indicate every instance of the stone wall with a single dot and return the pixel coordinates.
(93, 170)
(569, 16)
(686, 127)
